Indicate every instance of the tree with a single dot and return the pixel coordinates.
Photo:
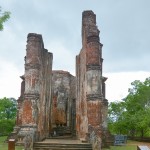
(6, 126)
(117, 117)
(4, 16)
(138, 105)
(131, 115)
(8, 109)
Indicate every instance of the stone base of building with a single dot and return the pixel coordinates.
(26, 136)
(107, 139)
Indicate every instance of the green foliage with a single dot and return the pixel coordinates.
(6, 126)
(117, 114)
(131, 115)
(8, 109)
(4, 16)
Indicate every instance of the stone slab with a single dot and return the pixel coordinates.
(142, 148)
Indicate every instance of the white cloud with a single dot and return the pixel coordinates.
(9, 79)
(64, 56)
(118, 84)
(124, 33)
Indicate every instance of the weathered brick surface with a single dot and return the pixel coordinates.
(35, 98)
(27, 116)
(94, 113)
(63, 91)
(91, 105)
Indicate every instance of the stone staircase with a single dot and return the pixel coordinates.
(61, 146)
(61, 140)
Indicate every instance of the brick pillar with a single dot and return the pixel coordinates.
(33, 63)
(93, 74)
(33, 117)
(32, 75)
(91, 105)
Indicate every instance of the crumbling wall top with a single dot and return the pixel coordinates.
(61, 72)
(90, 32)
(34, 37)
(39, 36)
(88, 17)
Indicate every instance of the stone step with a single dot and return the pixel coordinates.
(63, 145)
(61, 148)
(60, 131)
(61, 137)
(57, 146)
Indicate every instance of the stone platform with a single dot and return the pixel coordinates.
(59, 144)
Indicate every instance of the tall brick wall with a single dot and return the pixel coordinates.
(34, 102)
(91, 105)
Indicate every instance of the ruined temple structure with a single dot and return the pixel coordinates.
(91, 105)
(54, 102)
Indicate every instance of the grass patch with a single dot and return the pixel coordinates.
(131, 145)
(126, 147)
(4, 145)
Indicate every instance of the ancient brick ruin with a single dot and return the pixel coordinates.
(91, 105)
(54, 102)
(34, 103)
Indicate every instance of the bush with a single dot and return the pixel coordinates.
(6, 126)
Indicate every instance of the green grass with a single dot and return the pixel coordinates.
(4, 145)
(131, 145)
(128, 147)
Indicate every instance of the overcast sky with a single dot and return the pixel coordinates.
(124, 31)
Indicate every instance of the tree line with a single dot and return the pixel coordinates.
(8, 109)
(131, 115)
(8, 106)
